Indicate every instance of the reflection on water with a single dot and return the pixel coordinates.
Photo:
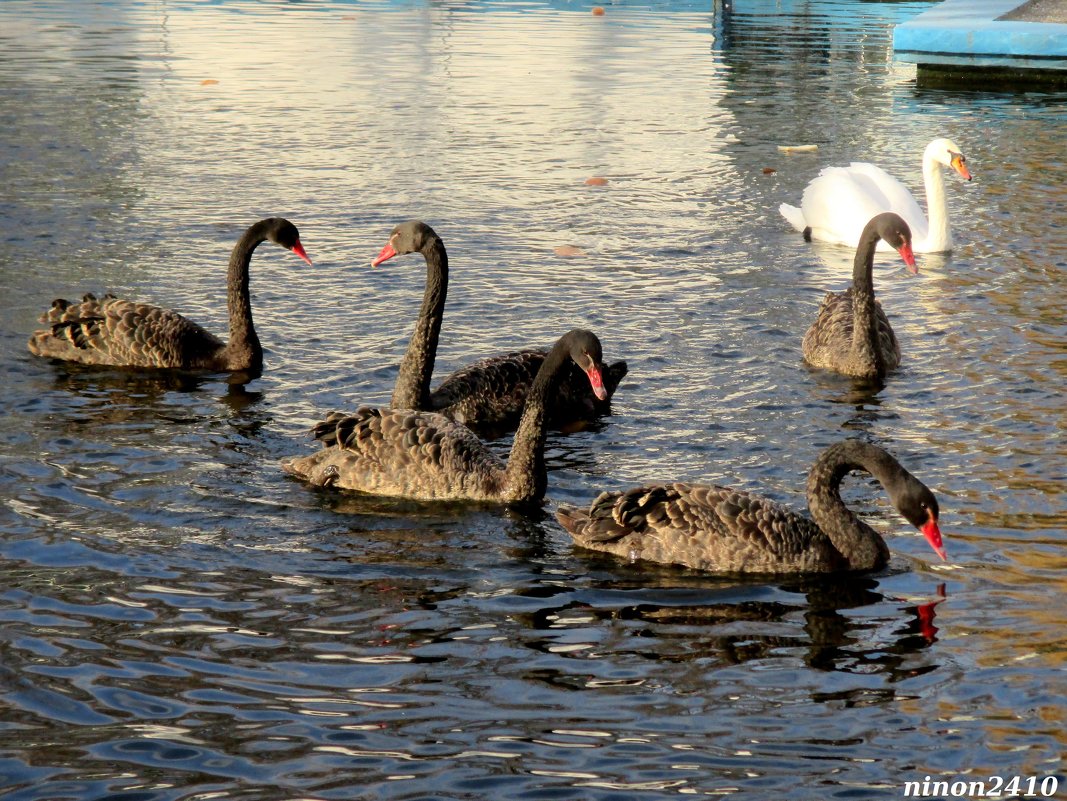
(179, 620)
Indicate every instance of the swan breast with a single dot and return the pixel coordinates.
(828, 343)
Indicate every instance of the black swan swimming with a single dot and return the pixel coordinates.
(427, 456)
(713, 528)
(488, 394)
(852, 334)
(123, 333)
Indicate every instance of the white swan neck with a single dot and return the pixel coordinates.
(939, 237)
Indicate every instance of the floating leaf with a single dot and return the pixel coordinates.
(569, 250)
(596, 180)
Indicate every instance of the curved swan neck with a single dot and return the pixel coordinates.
(412, 389)
(855, 540)
(939, 237)
(243, 350)
(864, 319)
(526, 477)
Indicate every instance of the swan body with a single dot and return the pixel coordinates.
(851, 334)
(427, 456)
(488, 395)
(708, 527)
(123, 333)
(837, 204)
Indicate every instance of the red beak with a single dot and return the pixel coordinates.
(933, 536)
(298, 249)
(386, 253)
(597, 382)
(908, 255)
(961, 168)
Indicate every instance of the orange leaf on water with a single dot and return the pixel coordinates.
(568, 250)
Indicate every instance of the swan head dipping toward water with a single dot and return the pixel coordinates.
(917, 504)
(892, 230)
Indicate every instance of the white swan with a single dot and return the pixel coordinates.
(840, 201)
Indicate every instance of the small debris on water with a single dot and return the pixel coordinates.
(598, 11)
(798, 148)
(568, 250)
(596, 180)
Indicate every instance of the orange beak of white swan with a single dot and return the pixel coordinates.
(959, 164)
(908, 255)
(298, 249)
(596, 380)
(386, 253)
(933, 536)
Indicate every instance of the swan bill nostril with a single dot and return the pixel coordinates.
(298, 249)
(385, 254)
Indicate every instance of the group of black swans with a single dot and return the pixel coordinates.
(426, 446)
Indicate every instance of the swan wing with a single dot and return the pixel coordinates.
(840, 201)
(706, 527)
(895, 195)
(113, 331)
(492, 392)
(401, 453)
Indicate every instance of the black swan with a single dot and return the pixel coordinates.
(427, 456)
(123, 333)
(489, 394)
(852, 334)
(721, 529)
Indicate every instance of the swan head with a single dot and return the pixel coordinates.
(917, 503)
(282, 232)
(586, 351)
(412, 236)
(892, 229)
(947, 152)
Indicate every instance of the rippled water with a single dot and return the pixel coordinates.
(181, 621)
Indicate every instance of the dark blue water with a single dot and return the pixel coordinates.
(178, 620)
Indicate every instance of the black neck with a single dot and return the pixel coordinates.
(855, 540)
(864, 317)
(527, 478)
(244, 350)
(412, 389)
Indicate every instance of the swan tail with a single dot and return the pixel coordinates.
(575, 521)
(795, 217)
